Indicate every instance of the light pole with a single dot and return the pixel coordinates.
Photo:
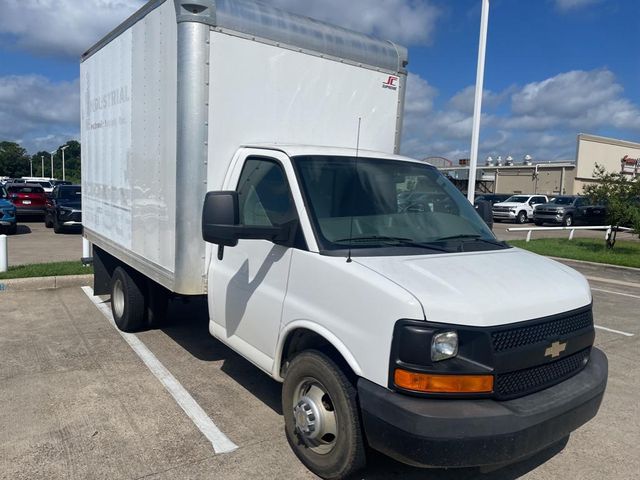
(42, 168)
(63, 149)
(51, 153)
(477, 107)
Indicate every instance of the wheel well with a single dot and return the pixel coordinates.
(302, 339)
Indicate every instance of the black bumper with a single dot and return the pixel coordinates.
(465, 433)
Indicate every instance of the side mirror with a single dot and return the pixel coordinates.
(220, 218)
(483, 207)
(221, 223)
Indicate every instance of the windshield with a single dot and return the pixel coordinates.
(388, 204)
(563, 200)
(69, 193)
(517, 199)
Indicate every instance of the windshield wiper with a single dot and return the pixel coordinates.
(405, 242)
(474, 237)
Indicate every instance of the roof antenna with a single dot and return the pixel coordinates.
(353, 198)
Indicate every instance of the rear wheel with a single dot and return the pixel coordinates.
(522, 217)
(322, 421)
(127, 300)
(47, 221)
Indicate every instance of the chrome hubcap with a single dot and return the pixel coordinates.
(314, 416)
(117, 298)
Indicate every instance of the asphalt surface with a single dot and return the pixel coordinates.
(34, 243)
(78, 403)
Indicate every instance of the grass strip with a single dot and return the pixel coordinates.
(56, 269)
(625, 253)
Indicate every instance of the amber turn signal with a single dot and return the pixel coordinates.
(427, 383)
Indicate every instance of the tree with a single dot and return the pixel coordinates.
(14, 161)
(621, 194)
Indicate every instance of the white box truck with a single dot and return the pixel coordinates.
(222, 157)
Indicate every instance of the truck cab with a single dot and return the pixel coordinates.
(321, 267)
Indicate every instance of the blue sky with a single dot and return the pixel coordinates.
(554, 68)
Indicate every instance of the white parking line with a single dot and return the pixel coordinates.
(219, 441)
(615, 293)
(626, 334)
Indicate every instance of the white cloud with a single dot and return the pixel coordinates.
(410, 22)
(566, 5)
(37, 112)
(540, 118)
(62, 27)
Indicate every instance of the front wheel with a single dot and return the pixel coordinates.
(57, 228)
(568, 221)
(538, 223)
(47, 221)
(13, 229)
(522, 217)
(321, 416)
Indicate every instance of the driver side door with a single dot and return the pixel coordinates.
(247, 287)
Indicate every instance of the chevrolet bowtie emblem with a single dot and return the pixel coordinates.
(555, 349)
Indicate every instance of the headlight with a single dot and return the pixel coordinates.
(444, 345)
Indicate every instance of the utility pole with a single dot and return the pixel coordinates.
(63, 149)
(30, 166)
(42, 168)
(477, 107)
(51, 153)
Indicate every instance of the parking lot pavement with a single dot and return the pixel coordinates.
(78, 402)
(34, 243)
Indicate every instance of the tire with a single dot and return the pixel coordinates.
(157, 305)
(313, 375)
(522, 217)
(127, 300)
(567, 221)
(47, 221)
(57, 228)
(538, 223)
(13, 229)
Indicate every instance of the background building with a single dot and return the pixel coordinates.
(551, 178)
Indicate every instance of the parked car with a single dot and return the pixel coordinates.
(28, 198)
(518, 208)
(64, 208)
(8, 220)
(568, 210)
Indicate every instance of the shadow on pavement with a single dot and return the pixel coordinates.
(22, 230)
(189, 328)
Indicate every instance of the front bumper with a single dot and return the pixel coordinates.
(504, 215)
(465, 433)
(548, 217)
(7, 223)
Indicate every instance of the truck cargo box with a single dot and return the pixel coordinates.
(171, 94)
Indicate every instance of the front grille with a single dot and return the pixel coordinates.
(519, 337)
(500, 209)
(529, 380)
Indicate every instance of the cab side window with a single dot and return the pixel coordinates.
(264, 196)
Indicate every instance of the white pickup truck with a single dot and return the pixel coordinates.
(517, 208)
(222, 157)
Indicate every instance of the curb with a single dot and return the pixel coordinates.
(44, 283)
(595, 264)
